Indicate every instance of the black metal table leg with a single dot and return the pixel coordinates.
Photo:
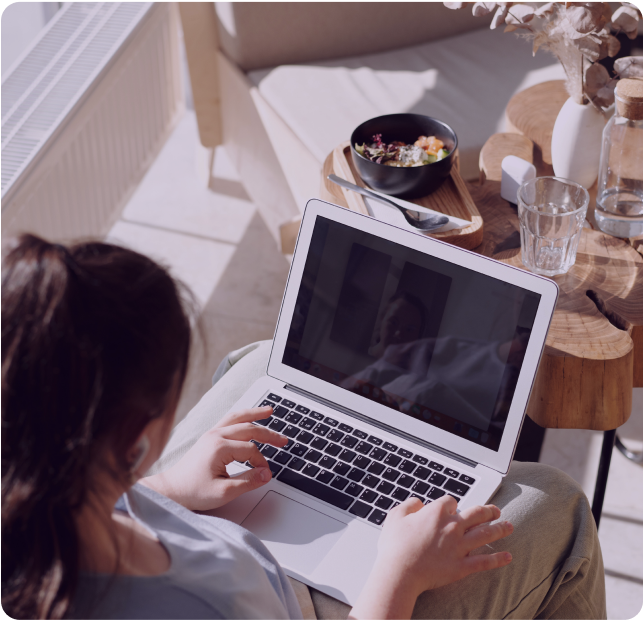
(602, 474)
(634, 456)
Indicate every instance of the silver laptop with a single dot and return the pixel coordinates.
(401, 366)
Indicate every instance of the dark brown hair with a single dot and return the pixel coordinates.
(94, 340)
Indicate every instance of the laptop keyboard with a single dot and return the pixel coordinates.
(350, 468)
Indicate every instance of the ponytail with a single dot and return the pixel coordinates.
(92, 337)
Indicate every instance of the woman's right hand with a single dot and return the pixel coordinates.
(426, 547)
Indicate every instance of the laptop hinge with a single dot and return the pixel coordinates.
(387, 428)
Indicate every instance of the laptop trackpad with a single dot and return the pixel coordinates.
(298, 536)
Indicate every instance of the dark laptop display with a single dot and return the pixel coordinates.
(421, 335)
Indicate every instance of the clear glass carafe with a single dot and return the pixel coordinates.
(618, 209)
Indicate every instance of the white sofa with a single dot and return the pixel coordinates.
(281, 84)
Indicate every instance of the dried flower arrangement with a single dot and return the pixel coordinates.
(579, 34)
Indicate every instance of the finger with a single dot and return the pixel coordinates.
(232, 450)
(446, 504)
(244, 482)
(411, 505)
(479, 515)
(245, 432)
(244, 416)
(485, 562)
(487, 533)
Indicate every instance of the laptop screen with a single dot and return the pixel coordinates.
(426, 337)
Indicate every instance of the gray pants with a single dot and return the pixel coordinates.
(556, 572)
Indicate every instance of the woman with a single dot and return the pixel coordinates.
(95, 346)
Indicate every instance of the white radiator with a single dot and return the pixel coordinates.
(85, 111)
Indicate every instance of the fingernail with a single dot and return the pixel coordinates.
(284, 438)
(509, 526)
(508, 557)
(264, 474)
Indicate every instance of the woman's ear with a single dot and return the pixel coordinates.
(138, 453)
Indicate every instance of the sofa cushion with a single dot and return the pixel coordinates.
(465, 81)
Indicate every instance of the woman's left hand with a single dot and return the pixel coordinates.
(199, 480)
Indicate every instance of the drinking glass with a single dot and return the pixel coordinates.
(551, 215)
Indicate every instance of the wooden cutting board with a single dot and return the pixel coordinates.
(452, 198)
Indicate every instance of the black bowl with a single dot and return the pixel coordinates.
(412, 182)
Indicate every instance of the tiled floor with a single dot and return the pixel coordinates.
(216, 242)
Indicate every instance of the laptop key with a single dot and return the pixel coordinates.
(273, 397)
(466, 479)
(288, 445)
(435, 493)
(316, 415)
(371, 481)
(356, 474)
(364, 447)
(400, 494)
(305, 436)
(263, 421)
(385, 487)
(313, 456)
(321, 429)
(319, 443)
(330, 421)
(377, 517)
(457, 487)
(275, 468)
(360, 434)
(374, 440)
(437, 479)
(345, 428)
(280, 411)
(376, 468)
(265, 403)
(422, 473)
(354, 489)
(307, 423)
(277, 424)
(290, 431)
(451, 473)
(327, 462)
(296, 463)
(339, 482)
(405, 480)
(435, 466)
(293, 417)
(392, 460)
(335, 435)
(349, 441)
(377, 453)
(315, 488)
(325, 476)
(288, 404)
(257, 444)
(362, 462)
(420, 487)
(282, 458)
(405, 453)
(341, 468)
(299, 449)
(390, 474)
(360, 509)
(268, 451)
(333, 449)
(369, 495)
(310, 470)
(347, 456)
(407, 466)
(302, 410)
(417, 496)
(419, 459)
(383, 502)
(388, 446)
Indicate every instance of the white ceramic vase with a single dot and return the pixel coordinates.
(577, 142)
